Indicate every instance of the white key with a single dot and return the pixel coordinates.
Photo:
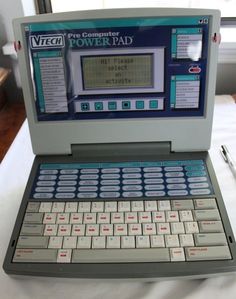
(68, 177)
(64, 229)
(98, 242)
(178, 193)
(150, 205)
(174, 174)
(157, 241)
(49, 218)
(132, 188)
(64, 256)
(205, 203)
(67, 183)
(152, 169)
(87, 195)
(109, 194)
(163, 205)
(66, 189)
(78, 230)
(173, 168)
(45, 207)
(43, 196)
(176, 186)
(84, 242)
(131, 169)
(132, 194)
(89, 177)
(186, 240)
(137, 206)
(113, 242)
(110, 206)
(71, 207)
(131, 217)
(63, 218)
(69, 242)
(132, 182)
(172, 216)
(154, 193)
(158, 216)
(106, 230)
(110, 176)
(135, 229)
(191, 227)
(58, 207)
(49, 171)
(89, 170)
(144, 217)
(55, 242)
(76, 218)
(90, 218)
(142, 242)
(172, 240)
(88, 183)
(131, 175)
(120, 229)
(109, 188)
(44, 189)
(117, 218)
(84, 206)
(177, 254)
(97, 206)
(123, 206)
(149, 228)
(110, 170)
(110, 182)
(154, 187)
(153, 178)
(185, 216)
(69, 171)
(92, 230)
(127, 242)
(103, 218)
(47, 177)
(177, 228)
(163, 228)
(50, 230)
(88, 189)
(65, 195)
(46, 183)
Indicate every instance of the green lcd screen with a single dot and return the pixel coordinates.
(117, 71)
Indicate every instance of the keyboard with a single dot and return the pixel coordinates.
(118, 231)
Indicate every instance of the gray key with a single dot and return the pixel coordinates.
(201, 215)
(205, 203)
(36, 218)
(32, 229)
(207, 253)
(210, 227)
(182, 204)
(32, 242)
(35, 256)
(33, 207)
(121, 256)
(210, 239)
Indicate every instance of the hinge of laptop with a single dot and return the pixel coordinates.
(120, 151)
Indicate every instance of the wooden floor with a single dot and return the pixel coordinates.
(12, 116)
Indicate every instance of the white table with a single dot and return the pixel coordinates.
(14, 172)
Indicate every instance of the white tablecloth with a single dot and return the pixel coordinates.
(14, 171)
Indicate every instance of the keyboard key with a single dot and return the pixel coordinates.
(89, 170)
(172, 241)
(163, 205)
(131, 176)
(69, 242)
(55, 242)
(35, 256)
(87, 195)
(132, 182)
(97, 206)
(43, 196)
(121, 255)
(71, 207)
(58, 207)
(98, 242)
(109, 194)
(110, 176)
(64, 256)
(33, 207)
(144, 217)
(88, 189)
(131, 217)
(155, 193)
(191, 227)
(113, 242)
(207, 253)
(182, 204)
(137, 206)
(65, 195)
(90, 218)
(110, 206)
(84, 206)
(69, 171)
(84, 242)
(142, 242)
(150, 205)
(205, 203)
(172, 216)
(127, 242)
(177, 255)
(32, 229)
(50, 230)
(45, 207)
(185, 215)
(157, 241)
(32, 242)
(177, 228)
(106, 230)
(131, 169)
(149, 228)
(78, 230)
(68, 177)
(64, 229)
(103, 218)
(36, 218)
(186, 240)
(210, 239)
(120, 230)
(89, 177)
(76, 218)
(163, 228)
(63, 218)
(117, 218)
(200, 215)
(123, 206)
(158, 216)
(92, 230)
(110, 170)
(134, 229)
(49, 218)
(152, 169)
(210, 227)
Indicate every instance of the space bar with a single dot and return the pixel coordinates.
(120, 255)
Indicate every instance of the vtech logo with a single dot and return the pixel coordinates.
(47, 41)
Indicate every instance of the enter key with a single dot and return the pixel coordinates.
(210, 239)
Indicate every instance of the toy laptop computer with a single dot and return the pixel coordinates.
(120, 105)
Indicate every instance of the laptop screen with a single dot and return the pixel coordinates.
(119, 68)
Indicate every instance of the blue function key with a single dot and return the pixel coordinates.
(85, 106)
(112, 105)
(139, 104)
(98, 106)
(126, 105)
(153, 104)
